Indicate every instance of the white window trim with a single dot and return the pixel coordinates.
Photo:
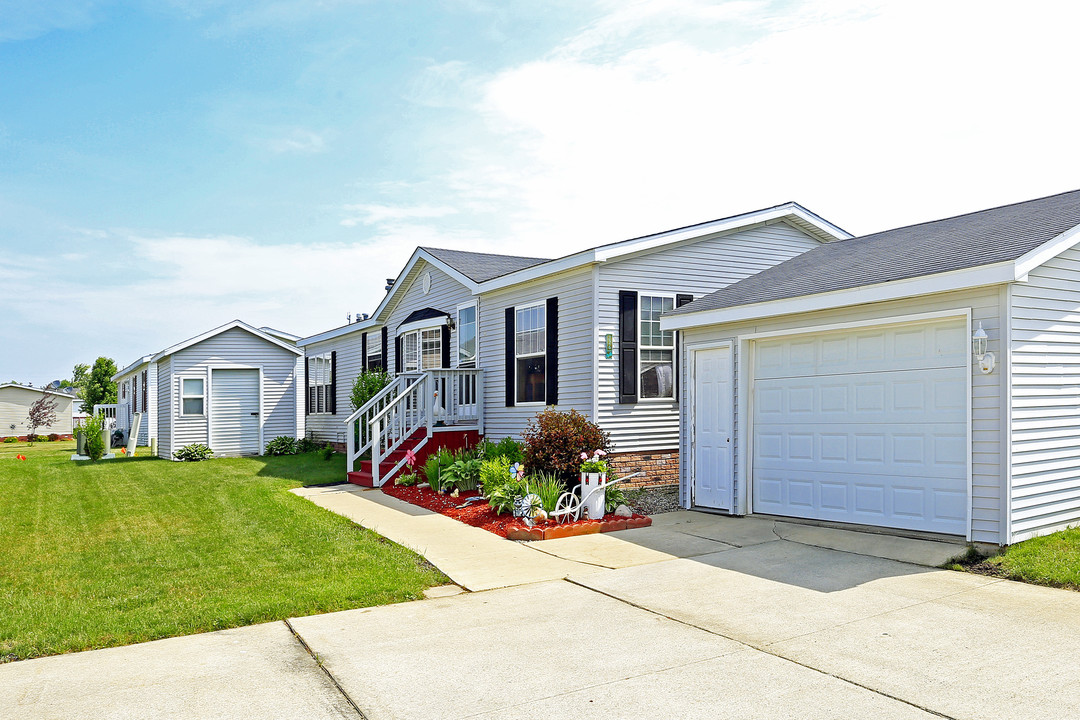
(182, 396)
(419, 357)
(314, 384)
(641, 347)
(475, 305)
(517, 308)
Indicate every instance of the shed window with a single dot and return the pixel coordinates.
(656, 365)
(192, 396)
(530, 354)
(320, 380)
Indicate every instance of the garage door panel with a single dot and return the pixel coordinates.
(908, 396)
(874, 350)
(865, 426)
(919, 450)
(886, 500)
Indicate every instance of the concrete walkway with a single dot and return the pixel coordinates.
(698, 616)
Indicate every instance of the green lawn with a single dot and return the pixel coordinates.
(1051, 560)
(127, 550)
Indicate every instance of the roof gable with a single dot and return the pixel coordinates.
(481, 267)
(988, 237)
(218, 330)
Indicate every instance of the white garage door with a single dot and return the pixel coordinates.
(234, 412)
(865, 426)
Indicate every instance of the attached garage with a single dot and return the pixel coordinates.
(864, 426)
(924, 379)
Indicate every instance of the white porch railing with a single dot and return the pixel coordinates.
(413, 401)
(117, 415)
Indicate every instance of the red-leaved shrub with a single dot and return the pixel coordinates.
(555, 440)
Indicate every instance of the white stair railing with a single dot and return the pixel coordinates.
(409, 412)
(413, 401)
(358, 437)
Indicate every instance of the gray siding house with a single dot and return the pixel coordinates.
(523, 333)
(232, 388)
(925, 378)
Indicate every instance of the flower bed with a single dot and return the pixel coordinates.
(481, 515)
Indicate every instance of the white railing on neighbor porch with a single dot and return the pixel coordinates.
(412, 401)
(117, 415)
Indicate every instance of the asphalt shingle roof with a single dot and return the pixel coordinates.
(480, 267)
(985, 237)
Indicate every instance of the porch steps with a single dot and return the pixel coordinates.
(450, 439)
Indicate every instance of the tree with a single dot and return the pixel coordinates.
(99, 388)
(42, 414)
(79, 376)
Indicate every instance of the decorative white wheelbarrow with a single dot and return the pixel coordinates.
(571, 506)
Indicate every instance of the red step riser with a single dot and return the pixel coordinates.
(452, 440)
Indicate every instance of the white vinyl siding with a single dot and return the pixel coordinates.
(236, 348)
(574, 289)
(985, 305)
(331, 428)
(1045, 398)
(163, 412)
(696, 268)
(445, 295)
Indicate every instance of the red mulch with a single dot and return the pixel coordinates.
(478, 514)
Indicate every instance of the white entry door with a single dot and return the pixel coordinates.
(864, 426)
(234, 412)
(713, 416)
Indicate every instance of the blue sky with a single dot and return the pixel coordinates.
(166, 167)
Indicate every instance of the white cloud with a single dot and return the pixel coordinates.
(376, 214)
(296, 140)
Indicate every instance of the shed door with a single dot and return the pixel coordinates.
(234, 412)
(864, 426)
(713, 412)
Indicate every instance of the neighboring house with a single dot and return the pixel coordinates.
(850, 384)
(232, 388)
(578, 332)
(15, 402)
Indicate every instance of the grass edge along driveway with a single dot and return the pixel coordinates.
(135, 549)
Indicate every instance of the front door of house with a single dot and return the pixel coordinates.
(712, 428)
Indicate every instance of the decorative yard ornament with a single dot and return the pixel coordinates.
(20, 457)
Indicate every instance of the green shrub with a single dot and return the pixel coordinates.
(306, 445)
(555, 440)
(367, 385)
(494, 473)
(11, 439)
(463, 474)
(95, 444)
(502, 498)
(548, 488)
(508, 448)
(193, 453)
(281, 445)
(614, 496)
(435, 469)
(407, 480)
(328, 451)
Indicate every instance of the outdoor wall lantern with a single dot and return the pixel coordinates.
(978, 346)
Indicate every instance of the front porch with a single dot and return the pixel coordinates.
(408, 415)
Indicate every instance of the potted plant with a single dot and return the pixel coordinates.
(593, 475)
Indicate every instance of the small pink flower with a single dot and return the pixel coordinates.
(584, 456)
(410, 458)
(601, 453)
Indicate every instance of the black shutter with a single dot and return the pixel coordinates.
(551, 379)
(628, 346)
(363, 352)
(307, 391)
(332, 400)
(510, 390)
(385, 350)
(676, 367)
(446, 346)
(397, 355)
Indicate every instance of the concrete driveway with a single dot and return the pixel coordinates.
(735, 620)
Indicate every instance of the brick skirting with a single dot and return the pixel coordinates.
(661, 467)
